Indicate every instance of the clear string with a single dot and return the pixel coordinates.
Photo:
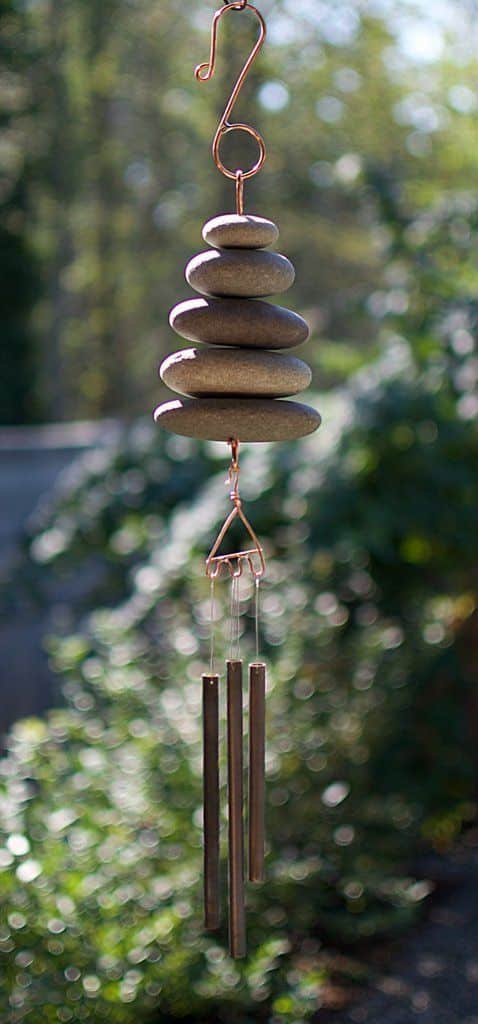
(212, 628)
(257, 616)
(235, 651)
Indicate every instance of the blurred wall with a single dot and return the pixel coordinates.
(31, 464)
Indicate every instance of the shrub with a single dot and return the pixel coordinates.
(369, 540)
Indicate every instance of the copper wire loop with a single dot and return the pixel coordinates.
(204, 73)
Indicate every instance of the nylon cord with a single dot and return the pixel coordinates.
(212, 628)
(235, 623)
(257, 615)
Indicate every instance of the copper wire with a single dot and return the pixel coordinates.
(250, 558)
(239, 193)
(204, 73)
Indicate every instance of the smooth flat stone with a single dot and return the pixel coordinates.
(245, 419)
(239, 372)
(232, 231)
(241, 273)
(241, 322)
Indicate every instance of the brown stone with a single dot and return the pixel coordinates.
(234, 371)
(240, 273)
(233, 231)
(246, 419)
(241, 322)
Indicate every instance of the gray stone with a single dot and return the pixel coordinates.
(242, 322)
(246, 419)
(234, 371)
(240, 273)
(232, 231)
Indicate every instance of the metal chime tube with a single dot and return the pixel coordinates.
(210, 684)
(257, 723)
(237, 915)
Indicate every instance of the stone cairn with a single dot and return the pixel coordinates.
(234, 385)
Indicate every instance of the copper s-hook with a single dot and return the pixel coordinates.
(204, 73)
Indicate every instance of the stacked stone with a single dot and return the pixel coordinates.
(234, 386)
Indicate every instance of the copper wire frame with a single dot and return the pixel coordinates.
(204, 73)
(251, 558)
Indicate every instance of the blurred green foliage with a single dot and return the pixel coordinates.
(19, 285)
(371, 582)
(108, 138)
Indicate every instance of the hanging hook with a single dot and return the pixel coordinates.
(204, 73)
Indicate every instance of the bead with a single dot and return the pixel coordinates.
(247, 419)
(233, 371)
(238, 322)
(233, 231)
(240, 273)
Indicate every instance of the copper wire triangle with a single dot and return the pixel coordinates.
(234, 563)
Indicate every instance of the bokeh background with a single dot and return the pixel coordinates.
(369, 618)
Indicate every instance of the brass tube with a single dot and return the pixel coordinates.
(210, 694)
(237, 914)
(257, 728)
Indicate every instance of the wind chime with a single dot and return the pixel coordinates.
(234, 389)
